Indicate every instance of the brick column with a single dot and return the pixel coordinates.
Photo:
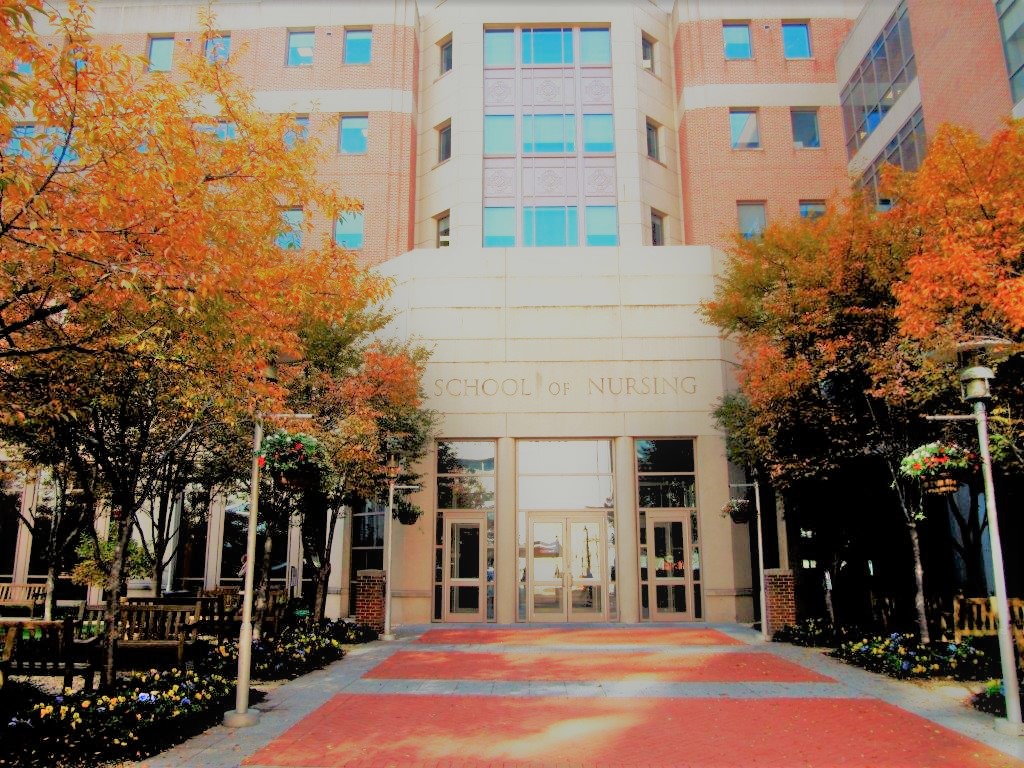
(780, 599)
(370, 598)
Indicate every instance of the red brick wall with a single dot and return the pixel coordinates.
(976, 91)
(714, 177)
(780, 600)
(370, 599)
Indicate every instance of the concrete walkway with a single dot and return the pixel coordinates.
(601, 696)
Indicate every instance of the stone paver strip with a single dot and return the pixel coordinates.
(581, 636)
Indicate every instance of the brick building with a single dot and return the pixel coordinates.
(551, 186)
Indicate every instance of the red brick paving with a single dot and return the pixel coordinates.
(566, 666)
(364, 730)
(565, 636)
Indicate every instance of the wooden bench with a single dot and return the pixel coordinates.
(149, 629)
(21, 599)
(977, 617)
(48, 649)
(213, 621)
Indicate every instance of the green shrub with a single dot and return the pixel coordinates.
(292, 652)
(900, 655)
(814, 633)
(142, 714)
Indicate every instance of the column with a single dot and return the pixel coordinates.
(214, 543)
(23, 548)
(336, 601)
(627, 568)
(506, 547)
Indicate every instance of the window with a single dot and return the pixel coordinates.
(499, 135)
(549, 133)
(444, 142)
(357, 46)
(743, 126)
(547, 46)
(550, 225)
(218, 48)
(811, 209)
(737, 41)
(352, 136)
(1011, 26)
(499, 227)
(348, 231)
(299, 132)
(657, 228)
(595, 47)
(805, 129)
(653, 145)
(598, 133)
(222, 129)
(443, 229)
(368, 524)
(446, 56)
(647, 53)
(300, 48)
(796, 40)
(906, 150)
(601, 224)
(161, 52)
(290, 237)
(499, 48)
(752, 218)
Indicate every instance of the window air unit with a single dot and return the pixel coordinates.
(443, 241)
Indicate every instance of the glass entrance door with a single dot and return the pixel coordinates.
(665, 543)
(566, 568)
(464, 575)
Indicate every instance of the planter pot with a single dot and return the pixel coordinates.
(939, 484)
(739, 517)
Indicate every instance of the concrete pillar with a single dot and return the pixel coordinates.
(336, 603)
(627, 568)
(214, 542)
(23, 547)
(506, 547)
(293, 575)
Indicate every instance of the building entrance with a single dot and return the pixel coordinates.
(465, 574)
(567, 573)
(669, 565)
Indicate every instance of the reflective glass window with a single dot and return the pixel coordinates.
(547, 46)
(550, 225)
(657, 229)
(357, 46)
(796, 40)
(565, 457)
(444, 143)
(300, 49)
(499, 227)
(353, 133)
(805, 129)
(549, 133)
(218, 48)
(752, 219)
(291, 232)
(598, 133)
(602, 225)
(348, 231)
(446, 56)
(299, 133)
(499, 48)
(810, 209)
(737, 41)
(161, 53)
(653, 146)
(743, 127)
(595, 46)
(499, 135)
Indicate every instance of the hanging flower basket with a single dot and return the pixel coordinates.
(293, 460)
(939, 466)
(738, 509)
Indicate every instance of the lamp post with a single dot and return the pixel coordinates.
(974, 381)
(241, 716)
(760, 552)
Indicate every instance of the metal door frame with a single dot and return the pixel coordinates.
(451, 519)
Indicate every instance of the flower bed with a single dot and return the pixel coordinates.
(992, 699)
(141, 715)
(901, 656)
(814, 633)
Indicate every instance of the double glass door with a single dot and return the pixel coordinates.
(465, 579)
(567, 568)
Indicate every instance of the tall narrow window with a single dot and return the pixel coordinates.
(348, 231)
(647, 53)
(446, 56)
(653, 145)
(443, 230)
(743, 128)
(299, 132)
(752, 219)
(736, 37)
(358, 44)
(805, 129)
(218, 48)
(657, 228)
(300, 48)
(499, 227)
(602, 225)
(161, 54)
(444, 142)
(352, 136)
(290, 237)
(499, 135)
(550, 225)
(796, 40)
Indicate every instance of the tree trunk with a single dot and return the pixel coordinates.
(51, 583)
(324, 572)
(124, 534)
(922, 616)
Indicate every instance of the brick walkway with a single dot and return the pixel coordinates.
(607, 697)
